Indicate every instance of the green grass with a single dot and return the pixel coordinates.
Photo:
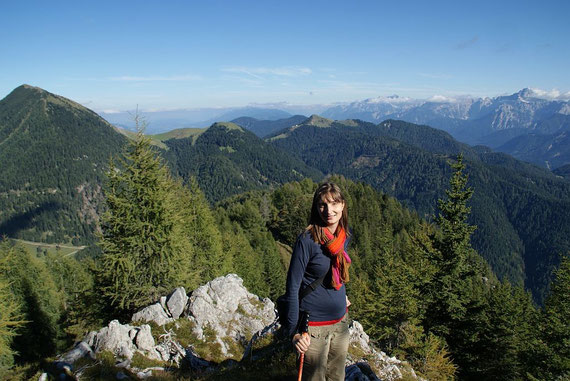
(159, 139)
(275, 360)
(142, 362)
(63, 250)
(105, 369)
(179, 133)
(279, 363)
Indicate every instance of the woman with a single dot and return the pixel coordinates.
(321, 251)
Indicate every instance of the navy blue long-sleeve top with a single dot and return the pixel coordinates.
(309, 263)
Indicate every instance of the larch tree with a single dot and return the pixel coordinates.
(201, 228)
(11, 317)
(146, 252)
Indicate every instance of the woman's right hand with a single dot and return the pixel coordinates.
(301, 342)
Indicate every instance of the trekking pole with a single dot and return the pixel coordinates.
(303, 330)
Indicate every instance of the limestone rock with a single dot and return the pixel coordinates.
(162, 302)
(115, 338)
(226, 314)
(225, 306)
(176, 302)
(144, 340)
(380, 365)
(358, 336)
(154, 313)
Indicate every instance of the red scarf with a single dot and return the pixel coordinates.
(334, 245)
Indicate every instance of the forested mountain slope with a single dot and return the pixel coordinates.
(550, 151)
(227, 159)
(563, 171)
(522, 212)
(53, 155)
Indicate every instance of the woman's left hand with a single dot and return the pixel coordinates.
(347, 302)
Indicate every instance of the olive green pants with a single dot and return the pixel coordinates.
(326, 357)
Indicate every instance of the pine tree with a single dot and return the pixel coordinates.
(145, 251)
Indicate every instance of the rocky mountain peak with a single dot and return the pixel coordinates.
(526, 93)
(30, 88)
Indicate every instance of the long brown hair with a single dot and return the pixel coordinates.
(316, 224)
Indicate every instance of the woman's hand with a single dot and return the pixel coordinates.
(347, 302)
(301, 342)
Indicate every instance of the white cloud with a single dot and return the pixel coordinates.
(553, 94)
(442, 99)
(128, 78)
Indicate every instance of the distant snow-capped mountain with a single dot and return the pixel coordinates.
(473, 120)
(372, 109)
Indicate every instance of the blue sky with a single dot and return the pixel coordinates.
(194, 54)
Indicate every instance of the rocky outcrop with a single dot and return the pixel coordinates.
(225, 307)
(124, 340)
(220, 322)
(168, 309)
(364, 362)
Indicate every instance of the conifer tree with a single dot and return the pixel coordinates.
(74, 281)
(200, 227)
(11, 317)
(34, 290)
(249, 217)
(145, 251)
(452, 220)
(449, 287)
(245, 261)
(555, 330)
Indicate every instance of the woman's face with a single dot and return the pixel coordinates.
(330, 211)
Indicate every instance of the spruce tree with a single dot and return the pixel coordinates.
(449, 288)
(145, 250)
(555, 331)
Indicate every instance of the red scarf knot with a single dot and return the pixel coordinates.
(334, 245)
